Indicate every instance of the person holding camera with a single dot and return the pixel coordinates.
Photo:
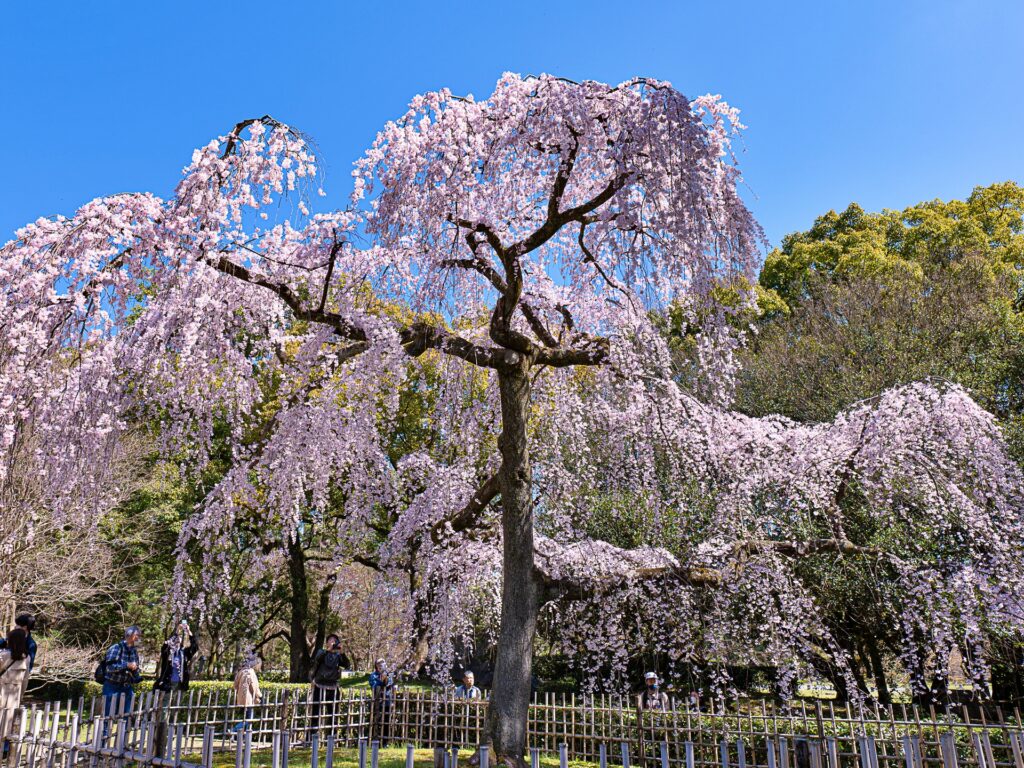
(324, 677)
(120, 673)
(175, 659)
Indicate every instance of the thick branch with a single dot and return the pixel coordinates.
(416, 339)
(469, 516)
(340, 325)
(330, 271)
(562, 570)
(594, 352)
(555, 222)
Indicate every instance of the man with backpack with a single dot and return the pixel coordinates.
(119, 673)
(324, 677)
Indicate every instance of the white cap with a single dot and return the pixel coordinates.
(651, 676)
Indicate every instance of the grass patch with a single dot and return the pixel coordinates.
(348, 757)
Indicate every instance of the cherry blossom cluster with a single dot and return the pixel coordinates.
(551, 222)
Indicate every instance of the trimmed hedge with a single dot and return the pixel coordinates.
(92, 688)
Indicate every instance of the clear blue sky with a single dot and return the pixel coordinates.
(885, 103)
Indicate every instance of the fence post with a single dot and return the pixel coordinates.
(908, 752)
(151, 739)
(831, 752)
(769, 751)
(362, 752)
(238, 750)
(314, 750)
(275, 749)
(664, 753)
(484, 757)
(73, 743)
(410, 756)
(119, 742)
(979, 752)
(207, 753)
(534, 757)
(947, 748)
(329, 752)
(602, 755)
(179, 738)
(688, 753)
(1017, 745)
(784, 752)
(817, 760)
(801, 753)
(625, 755)
(563, 755)
(285, 743)
(986, 746)
(98, 724)
(723, 753)
(248, 749)
(741, 754)
(54, 724)
(864, 748)
(36, 718)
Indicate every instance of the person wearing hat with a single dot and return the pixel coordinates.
(653, 699)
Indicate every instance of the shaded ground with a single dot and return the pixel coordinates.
(391, 757)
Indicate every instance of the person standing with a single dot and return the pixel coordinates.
(377, 674)
(27, 622)
(467, 690)
(14, 662)
(382, 688)
(324, 679)
(121, 673)
(247, 688)
(653, 699)
(175, 659)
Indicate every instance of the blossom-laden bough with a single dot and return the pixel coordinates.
(523, 243)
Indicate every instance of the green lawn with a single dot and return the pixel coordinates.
(391, 757)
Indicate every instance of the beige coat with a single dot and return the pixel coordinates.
(12, 683)
(247, 688)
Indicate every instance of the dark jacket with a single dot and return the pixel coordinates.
(163, 678)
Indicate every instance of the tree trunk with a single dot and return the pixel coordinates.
(878, 669)
(298, 663)
(419, 638)
(324, 609)
(510, 696)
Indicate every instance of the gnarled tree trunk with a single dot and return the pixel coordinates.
(298, 671)
(510, 698)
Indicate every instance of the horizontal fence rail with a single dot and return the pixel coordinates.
(194, 730)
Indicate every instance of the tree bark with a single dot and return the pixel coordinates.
(419, 639)
(298, 663)
(510, 697)
(881, 684)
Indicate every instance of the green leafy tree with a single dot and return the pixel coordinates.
(862, 302)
